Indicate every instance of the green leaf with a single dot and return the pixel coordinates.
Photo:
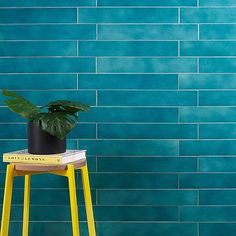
(20, 105)
(58, 124)
(68, 106)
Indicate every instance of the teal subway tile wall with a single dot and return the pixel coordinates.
(160, 76)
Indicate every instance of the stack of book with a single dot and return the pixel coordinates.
(23, 156)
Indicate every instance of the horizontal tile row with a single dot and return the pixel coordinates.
(144, 114)
(207, 114)
(47, 3)
(122, 228)
(147, 98)
(40, 81)
(138, 98)
(207, 81)
(127, 81)
(104, 213)
(172, 165)
(167, 197)
(207, 147)
(147, 3)
(208, 214)
(42, 97)
(128, 15)
(37, 15)
(47, 65)
(38, 48)
(48, 32)
(117, 65)
(19, 131)
(208, 15)
(118, 32)
(128, 48)
(112, 114)
(147, 131)
(118, 48)
(148, 32)
(109, 228)
(147, 197)
(157, 15)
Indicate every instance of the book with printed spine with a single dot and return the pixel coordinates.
(23, 156)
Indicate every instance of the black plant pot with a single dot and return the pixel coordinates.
(41, 142)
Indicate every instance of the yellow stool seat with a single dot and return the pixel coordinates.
(68, 170)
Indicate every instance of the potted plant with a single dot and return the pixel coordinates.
(48, 125)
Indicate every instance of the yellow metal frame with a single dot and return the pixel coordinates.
(70, 174)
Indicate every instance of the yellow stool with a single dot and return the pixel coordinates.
(68, 171)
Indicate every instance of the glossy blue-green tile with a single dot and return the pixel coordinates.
(217, 197)
(47, 65)
(19, 131)
(207, 147)
(42, 228)
(201, 214)
(47, 196)
(147, 32)
(147, 131)
(217, 131)
(208, 15)
(208, 48)
(38, 15)
(38, 48)
(217, 3)
(83, 131)
(217, 164)
(8, 116)
(207, 81)
(128, 15)
(12, 145)
(150, 65)
(218, 229)
(217, 98)
(136, 213)
(217, 65)
(38, 81)
(127, 81)
(46, 3)
(152, 229)
(43, 97)
(207, 114)
(128, 48)
(130, 181)
(218, 31)
(147, 98)
(130, 147)
(147, 164)
(200, 181)
(13, 131)
(129, 114)
(46, 228)
(147, 3)
(147, 197)
(47, 32)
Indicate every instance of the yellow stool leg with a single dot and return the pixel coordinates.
(73, 201)
(88, 201)
(7, 200)
(26, 206)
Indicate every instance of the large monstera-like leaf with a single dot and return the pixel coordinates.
(20, 105)
(68, 106)
(58, 124)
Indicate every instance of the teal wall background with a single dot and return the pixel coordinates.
(160, 76)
